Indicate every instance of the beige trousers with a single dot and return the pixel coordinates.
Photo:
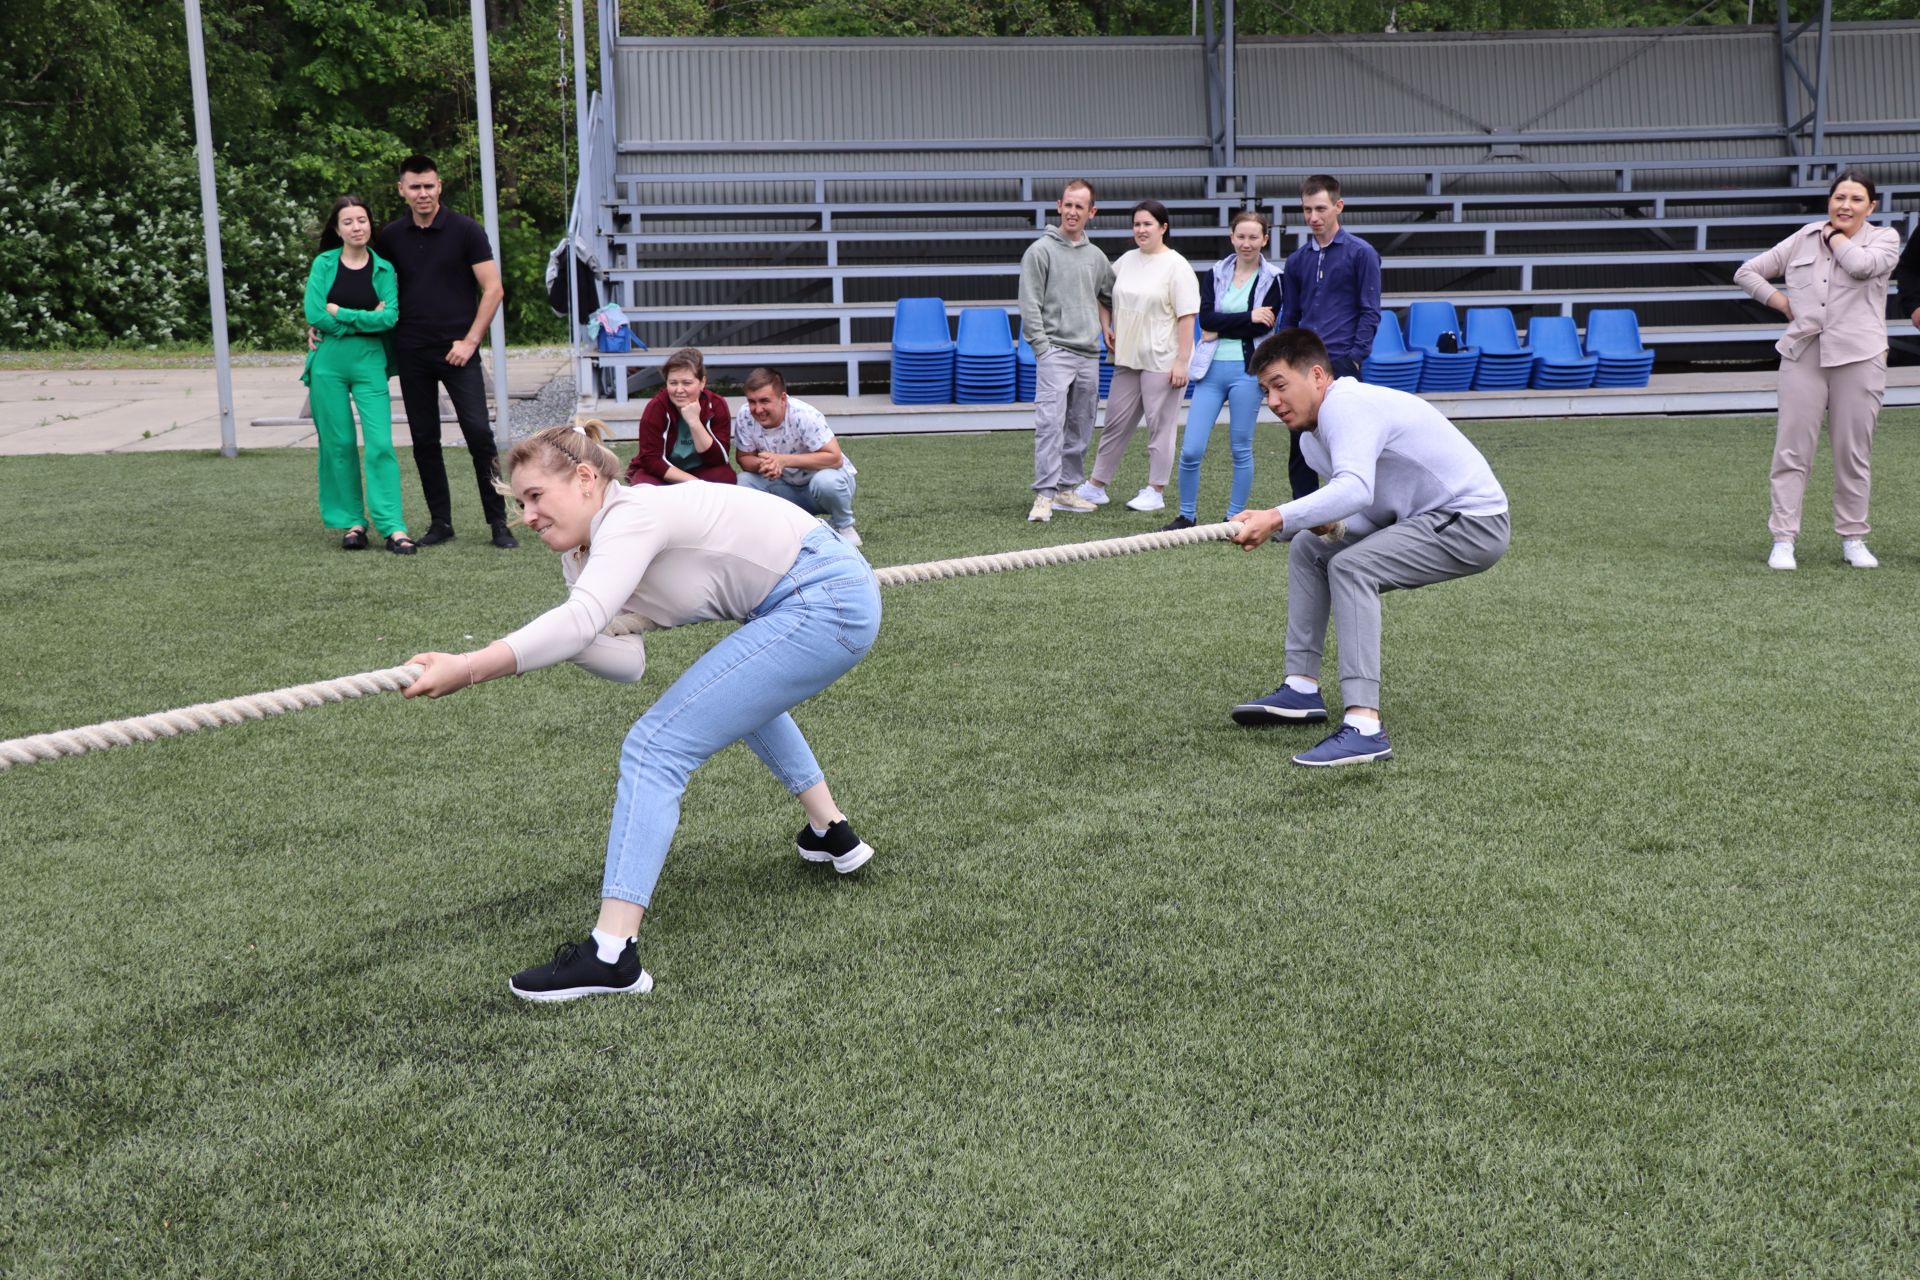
(1134, 393)
(1849, 396)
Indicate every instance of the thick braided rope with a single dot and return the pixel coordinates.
(257, 706)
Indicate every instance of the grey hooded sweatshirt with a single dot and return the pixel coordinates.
(1062, 285)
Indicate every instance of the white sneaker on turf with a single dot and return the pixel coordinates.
(1042, 508)
(1070, 501)
(1148, 499)
(1781, 557)
(1093, 493)
(1854, 552)
(849, 535)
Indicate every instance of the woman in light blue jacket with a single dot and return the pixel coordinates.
(1239, 299)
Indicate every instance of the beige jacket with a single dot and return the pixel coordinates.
(1839, 301)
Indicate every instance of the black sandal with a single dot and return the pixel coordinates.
(356, 540)
(400, 544)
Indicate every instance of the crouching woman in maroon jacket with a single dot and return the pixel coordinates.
(685, 430)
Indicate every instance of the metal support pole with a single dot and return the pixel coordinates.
(1216, 125)
(483, 97)
(1820, 78)
(1230, 113)
(574, 229)
(210, 219)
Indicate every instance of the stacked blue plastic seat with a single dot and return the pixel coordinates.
(922, 352)
(1558, 362)
(1441, 370)
(1026, 375)
(984, 362)
(1614, 337)
(1106, 368)
(1390, 364)
(1505, 365)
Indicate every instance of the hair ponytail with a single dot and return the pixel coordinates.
(561, 449)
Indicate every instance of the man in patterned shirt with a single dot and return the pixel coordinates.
(784, 447)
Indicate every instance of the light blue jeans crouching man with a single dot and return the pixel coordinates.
(817, 622)
(822, 493)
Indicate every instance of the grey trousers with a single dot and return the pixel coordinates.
(1138, 395)
(1346, 579)
(1066, 394)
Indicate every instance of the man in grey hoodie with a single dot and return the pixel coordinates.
(1066, 296)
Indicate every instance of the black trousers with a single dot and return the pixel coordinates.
(1300, 476)
(423, 371)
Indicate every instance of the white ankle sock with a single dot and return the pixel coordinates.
(816, 828)
(1303, 684)
(608, 946)
(1369, 725)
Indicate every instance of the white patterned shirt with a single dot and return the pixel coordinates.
(803, 430)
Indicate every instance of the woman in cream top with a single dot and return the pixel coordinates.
(677, 554)
(1833, 358)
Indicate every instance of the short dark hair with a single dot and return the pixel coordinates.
(418, 164)
(330, 230)
(1155, 208)
(1299, 349)
(1320, 182)
(1855, 175)
(688, 358)
(765, 377)
(1080, 182)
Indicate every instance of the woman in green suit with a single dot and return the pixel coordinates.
(353, 300)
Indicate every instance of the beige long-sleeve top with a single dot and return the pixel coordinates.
(673, 554)
(1839, 300)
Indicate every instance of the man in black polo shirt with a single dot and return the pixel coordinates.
(440, 256)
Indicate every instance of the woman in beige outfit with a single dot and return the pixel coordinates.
(1833, 358)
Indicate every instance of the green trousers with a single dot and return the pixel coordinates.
(349, 371)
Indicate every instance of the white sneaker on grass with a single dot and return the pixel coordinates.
(1092, 493)
(1042, 508)
(1070, 501)
(1854, 552)
(850, 536)
(1148, 499)
(1781, 557)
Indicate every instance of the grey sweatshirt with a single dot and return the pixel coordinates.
(1062, 285)
(1388, 456)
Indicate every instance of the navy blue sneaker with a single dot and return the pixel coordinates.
(1347, 745)
(1283, 706)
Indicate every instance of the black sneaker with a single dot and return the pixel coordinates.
(503, 538)
(577, 970)
(845, 850)
(1178, 522)
(436, 534)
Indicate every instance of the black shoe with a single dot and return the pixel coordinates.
(503, 538)
(401, 545)
(436, 534)
(1178, 522)
(356, 540)
(577, 970)
(845, 850)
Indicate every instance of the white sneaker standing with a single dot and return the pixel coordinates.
(1042, 508)
(1148, 499)
(1067, 500)
(1781, 557)
(1854, 552)
(1090, 492)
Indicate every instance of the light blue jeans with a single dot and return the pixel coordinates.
(826, 493)
(819, 619)
(1226, 381)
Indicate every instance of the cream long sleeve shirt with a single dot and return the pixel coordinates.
(673, 554)
(1839, 300)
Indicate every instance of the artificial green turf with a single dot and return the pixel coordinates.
(1610, 972)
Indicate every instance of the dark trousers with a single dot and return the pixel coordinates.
(423, 371)
(1300, 476)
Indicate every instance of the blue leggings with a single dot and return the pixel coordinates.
(1226, 381)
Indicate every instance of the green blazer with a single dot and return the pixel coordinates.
(386, 287)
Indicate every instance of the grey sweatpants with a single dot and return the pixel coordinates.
(1346, 579)
(1066, 394)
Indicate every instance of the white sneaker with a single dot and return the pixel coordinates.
(1092, 493)
(1148, 499)
(1072, 502)
(1854, 552)
(849, 535)
(1042, 508)
(1781, 557)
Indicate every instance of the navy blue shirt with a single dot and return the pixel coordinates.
(1333, 291)
(439, 297)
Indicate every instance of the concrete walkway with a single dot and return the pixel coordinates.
(140, 410)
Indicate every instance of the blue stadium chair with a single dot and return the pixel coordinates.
(1025, 373)
(1505, 365)
(1558, 362)
(984, 363)
(1390, 364)
(1106, 368)
(1613, 335)
(923, 353)
(1443, 370)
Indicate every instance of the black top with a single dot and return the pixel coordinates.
(353, 289)
(438, 295)
(1906, 278)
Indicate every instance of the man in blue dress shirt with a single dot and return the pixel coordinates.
(1332, 286)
